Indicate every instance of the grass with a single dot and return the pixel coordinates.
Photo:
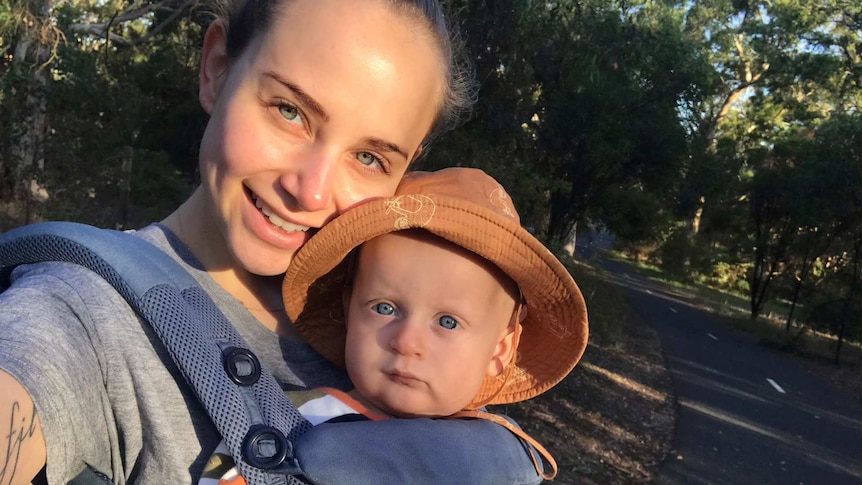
(734, 309)
(606, 305)
(719, 300)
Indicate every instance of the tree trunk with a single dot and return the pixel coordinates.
(571, 240)
(29, 127)
(27, 151)
(698, 215)
(797, 288)
(125, 186)
(759, 280)
(851, 293)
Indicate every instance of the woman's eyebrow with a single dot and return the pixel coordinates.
(384, 145)
(313, 105)
(304, 97)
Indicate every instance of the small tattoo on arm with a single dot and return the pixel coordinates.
(19, 431)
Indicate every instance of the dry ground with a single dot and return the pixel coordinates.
(611, 420)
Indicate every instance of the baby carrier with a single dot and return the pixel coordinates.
(225, 375)
(251, 412)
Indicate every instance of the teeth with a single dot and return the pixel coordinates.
(278, 221)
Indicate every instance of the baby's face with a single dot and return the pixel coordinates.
(427, 321)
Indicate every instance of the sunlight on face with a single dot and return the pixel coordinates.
(425, 320)
(325, 110)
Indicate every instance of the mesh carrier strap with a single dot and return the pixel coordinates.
(191, 327)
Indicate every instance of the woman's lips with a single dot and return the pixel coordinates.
(274, 218)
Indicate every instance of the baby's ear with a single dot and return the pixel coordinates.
(504, 352)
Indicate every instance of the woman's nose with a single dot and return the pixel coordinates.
(407, 338)
(312, 180)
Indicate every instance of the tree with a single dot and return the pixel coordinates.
(33, 46)
(577, 98)
(73, 52)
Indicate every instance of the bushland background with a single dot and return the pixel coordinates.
(718, 141)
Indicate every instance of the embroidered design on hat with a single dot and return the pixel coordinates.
(518, 375)
(500, 200)
(411, 210)
(557, 328)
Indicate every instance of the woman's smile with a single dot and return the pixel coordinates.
(275, 219)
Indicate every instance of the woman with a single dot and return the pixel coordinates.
(314, 106)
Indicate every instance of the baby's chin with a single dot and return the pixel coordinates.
(409, 412)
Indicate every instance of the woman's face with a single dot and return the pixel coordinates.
(325, 110)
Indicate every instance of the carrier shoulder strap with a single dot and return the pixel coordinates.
(248, 407)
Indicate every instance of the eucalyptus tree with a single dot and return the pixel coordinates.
(841, 150)
(783, 50)
(63, 68)
(28, 43)
(577, 99)
(781, 69)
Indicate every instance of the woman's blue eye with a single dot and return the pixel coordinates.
(448, 322)
(368, 159)
(290, 113)
(384, 308)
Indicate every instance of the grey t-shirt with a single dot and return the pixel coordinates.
(108, 396)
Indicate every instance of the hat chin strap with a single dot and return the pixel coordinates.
(473, 409)
(484, 402)
(517, 317)
(476, 414)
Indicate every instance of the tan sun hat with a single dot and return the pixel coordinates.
(469, 208)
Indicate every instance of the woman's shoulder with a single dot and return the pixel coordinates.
(163, 238)
(54, 277)
(66, 307)
(55, 290)
(70, 282)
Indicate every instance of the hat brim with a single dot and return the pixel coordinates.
(555, 328)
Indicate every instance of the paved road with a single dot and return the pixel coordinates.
(746, 414)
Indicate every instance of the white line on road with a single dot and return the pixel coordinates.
(712, 336)
(673, 309)
(776, 386)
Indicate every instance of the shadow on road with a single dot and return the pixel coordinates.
(746, 414)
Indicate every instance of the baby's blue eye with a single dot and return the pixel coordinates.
(448, 322)
(384, 308)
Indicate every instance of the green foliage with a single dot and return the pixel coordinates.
(157, 187)
(103, 99)
(633, 215)
(829, 316)
(606, 305)
(576, 98)
(725, 133)
(675, 255)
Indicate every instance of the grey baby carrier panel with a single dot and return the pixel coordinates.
(259, 424)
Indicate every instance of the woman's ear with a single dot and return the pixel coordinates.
(214, 64)
(418, 153)
(504, 352)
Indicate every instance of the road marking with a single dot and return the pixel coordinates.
(648, 292)
(673, 309)
(712, 336)
(776, 386)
